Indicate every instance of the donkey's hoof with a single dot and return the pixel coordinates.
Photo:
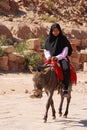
(65, 116)
(54, 117)
(45, 119)
(60, 114)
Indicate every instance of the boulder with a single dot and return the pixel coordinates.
(40, 31)
(5, 31)
(12, 57)
(20, 59)
(13, 66)
(4, 7)
(76, 34)
(9, 6)
(83, 58)
(16, 58)
(13, 6)
(8, 49)
(76, 65)
(21, 67)
(4, 63)
(75, 41)
(74, 47)
(75, 59)
(34, 44)
(25, 2)
(84, 43)
(22, 31)
(85, 67)
(75, 54)
(28, 30)
(84, 34)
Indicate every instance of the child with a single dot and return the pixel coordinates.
(58, 47)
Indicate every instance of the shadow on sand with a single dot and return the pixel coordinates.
(72, 122)
(84, 122)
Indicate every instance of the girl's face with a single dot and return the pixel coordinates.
(55, 32)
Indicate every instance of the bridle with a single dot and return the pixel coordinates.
(38, 92)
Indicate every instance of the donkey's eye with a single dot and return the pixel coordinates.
(39, 81)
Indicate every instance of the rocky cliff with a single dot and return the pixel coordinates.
(32, 18)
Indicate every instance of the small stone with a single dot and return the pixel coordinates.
(26, 91)
(12, 89)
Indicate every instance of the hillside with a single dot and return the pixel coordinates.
(24, 19)
(65, 10)
(71, 14)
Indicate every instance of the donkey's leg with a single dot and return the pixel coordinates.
(48, 105)
(67, 107)
(60, 107)
(53, 109)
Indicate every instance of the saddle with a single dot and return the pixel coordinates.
(59, 73)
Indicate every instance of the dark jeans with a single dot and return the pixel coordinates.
(66, 72)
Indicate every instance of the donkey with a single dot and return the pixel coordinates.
(45, 78)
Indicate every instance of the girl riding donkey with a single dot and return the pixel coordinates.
(57, 47)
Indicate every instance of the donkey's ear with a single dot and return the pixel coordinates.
(31, 69)
(40, 68)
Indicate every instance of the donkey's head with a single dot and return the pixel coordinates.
(39, 79)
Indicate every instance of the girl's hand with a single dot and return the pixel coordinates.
(49, 58)
(54, 58)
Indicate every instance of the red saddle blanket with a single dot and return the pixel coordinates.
(59, 73)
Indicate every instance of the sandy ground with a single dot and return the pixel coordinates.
(16, 83)
(19, 112)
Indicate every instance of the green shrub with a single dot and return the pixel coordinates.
(29, 36)
(3, 40)
(48, 18)
(2, 53)
(49, 3)
(20, 47)
(33, 59)
(42, 41)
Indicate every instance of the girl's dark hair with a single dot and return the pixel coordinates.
(51, 36)
(55, 25)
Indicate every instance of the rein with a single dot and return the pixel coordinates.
(50, 79)
(37, 92)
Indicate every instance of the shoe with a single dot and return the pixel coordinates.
(65, 93)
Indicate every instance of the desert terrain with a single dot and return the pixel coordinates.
(20, 112)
